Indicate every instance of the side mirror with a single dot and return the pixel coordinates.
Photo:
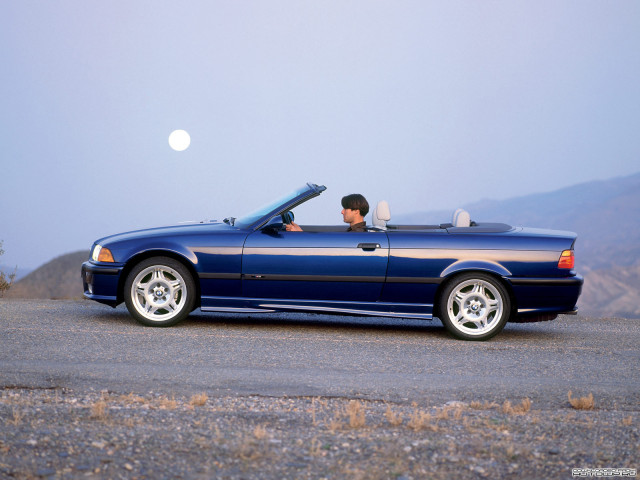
(287, 217)
(277, 223)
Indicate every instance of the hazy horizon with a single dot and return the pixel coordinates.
(429, 105)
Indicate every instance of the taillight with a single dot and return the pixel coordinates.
(567, 260)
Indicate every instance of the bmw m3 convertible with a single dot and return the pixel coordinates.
(475, 277)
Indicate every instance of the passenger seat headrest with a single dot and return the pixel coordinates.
(381, 214)
(461, 218)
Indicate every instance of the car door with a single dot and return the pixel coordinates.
(320, 265)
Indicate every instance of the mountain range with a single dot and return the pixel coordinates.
(602, 213)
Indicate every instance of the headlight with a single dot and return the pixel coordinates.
(95, 253)
(102, 254)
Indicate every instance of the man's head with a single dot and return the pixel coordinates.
(354, 208)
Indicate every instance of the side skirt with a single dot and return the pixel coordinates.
(262, 305)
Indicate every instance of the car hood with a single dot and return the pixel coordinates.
(173, 230)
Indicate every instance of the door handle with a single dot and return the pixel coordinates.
(368, 246)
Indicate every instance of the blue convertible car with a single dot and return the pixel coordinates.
(474, 277)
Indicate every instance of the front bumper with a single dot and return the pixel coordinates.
(100, 282)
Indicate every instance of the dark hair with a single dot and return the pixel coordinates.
(355, 201)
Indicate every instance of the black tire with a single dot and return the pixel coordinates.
(159, 292)
(474, 306)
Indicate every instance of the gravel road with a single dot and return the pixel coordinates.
(87, 392)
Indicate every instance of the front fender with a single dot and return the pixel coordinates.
(124, 253)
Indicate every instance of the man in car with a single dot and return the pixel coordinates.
(354, 208)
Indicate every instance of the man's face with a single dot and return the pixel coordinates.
(348, 215)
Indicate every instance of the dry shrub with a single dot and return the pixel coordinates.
(392, 417)
(165, 403)
(582, 403)
(476, 405)
(442, 413)
(336, 422)
(17, 418)
(457, 414)
(314, 422)
(355, 411)
(521, 409)
(99, 410)
(199, 400)
(260, 432)
(316, 449)
(131, 399)
(6, 281)
(420, 420)
(248, 449)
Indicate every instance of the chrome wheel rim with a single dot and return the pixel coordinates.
(158, 293)
(475, 307)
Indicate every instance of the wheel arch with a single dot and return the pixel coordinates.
(492, 273)
(139, 257)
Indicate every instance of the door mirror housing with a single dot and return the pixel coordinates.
(278, 222)
(287, 217)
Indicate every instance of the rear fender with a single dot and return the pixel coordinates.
(476, 266)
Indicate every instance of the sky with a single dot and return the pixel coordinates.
(426, 104)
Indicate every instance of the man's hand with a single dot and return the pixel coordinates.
(293, 227)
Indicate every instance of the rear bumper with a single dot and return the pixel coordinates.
(100, 282)
(546, 296)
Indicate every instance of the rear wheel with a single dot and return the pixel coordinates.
(159, 292)
(474, 306)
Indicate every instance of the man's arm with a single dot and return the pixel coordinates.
(293, 227)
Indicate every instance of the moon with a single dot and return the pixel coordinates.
(179, 140)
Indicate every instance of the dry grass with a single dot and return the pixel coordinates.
(199, 400)
(260, 432)
(443, 413)
(131, 399)
(248, 449)
(131, 422)
(392, 417)
(99, 410)
(582, 403)
(336, 423)
(521, 409)
(314, 421)
(355, 412)
(375, 439)
(316, 449)
(17, 418)
(476, 405)
(421, 420)
(165, 403)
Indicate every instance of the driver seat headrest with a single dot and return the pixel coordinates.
(381, 214)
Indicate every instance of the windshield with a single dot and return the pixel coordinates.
(251, 218)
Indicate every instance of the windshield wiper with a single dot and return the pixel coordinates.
(230, 220)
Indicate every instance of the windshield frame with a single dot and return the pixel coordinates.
(257, 218)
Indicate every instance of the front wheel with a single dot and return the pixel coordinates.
(474, 306)
(159, 292)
